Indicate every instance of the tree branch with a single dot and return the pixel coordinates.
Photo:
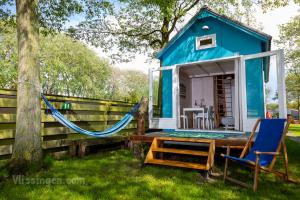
(187, 8)
(127, 33)
(155, 41)
(181, 13)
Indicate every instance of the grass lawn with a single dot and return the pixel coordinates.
(117, 175)
(295, 129)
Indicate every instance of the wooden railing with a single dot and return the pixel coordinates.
(91, 114)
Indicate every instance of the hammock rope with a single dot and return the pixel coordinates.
(108, 132)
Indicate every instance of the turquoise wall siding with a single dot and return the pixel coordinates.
(167, 94)
(229, 41)
(254, 88)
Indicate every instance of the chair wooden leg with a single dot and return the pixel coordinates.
(226, 163)
(225, 169)
(256, 174)
(285, 161)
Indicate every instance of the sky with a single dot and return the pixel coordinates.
(270, 21)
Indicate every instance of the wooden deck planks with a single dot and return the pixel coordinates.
(224, 142)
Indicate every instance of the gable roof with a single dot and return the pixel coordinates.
(207, 12)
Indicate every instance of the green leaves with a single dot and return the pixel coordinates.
(290, 40)
(8, 57)
(54, 14)
(69, 67)
(127, 85)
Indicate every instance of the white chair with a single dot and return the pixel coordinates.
(200, 117)
(228, 122)
(185, 121)
(209, 118)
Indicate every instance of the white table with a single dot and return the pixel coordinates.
(193, 110)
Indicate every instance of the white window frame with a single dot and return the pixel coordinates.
(159, 122)
(248, 123)
(213, 44)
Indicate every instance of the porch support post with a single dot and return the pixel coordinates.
(237, 95)
(175, 95)
(281, 84)
(243, 94)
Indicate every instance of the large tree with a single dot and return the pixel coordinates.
(27, 147)
(31, 15)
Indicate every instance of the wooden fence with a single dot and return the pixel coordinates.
(91, 114)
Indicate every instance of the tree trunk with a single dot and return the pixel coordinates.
(27, 147)
(141, 116)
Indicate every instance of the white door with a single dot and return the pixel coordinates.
(157, 122)
(248, 120)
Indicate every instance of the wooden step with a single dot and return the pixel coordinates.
(181, 151)
(158, 141)
(177, 164)
(196, 140)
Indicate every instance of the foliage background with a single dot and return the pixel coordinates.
(69, 67)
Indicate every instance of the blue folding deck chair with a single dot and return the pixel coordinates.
(262, 156)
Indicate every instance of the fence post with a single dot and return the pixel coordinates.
(106, 112)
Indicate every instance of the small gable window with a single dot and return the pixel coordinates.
(207, 41)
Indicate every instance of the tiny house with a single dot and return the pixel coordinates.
(218, 64)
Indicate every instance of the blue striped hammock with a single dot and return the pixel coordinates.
(108, 132)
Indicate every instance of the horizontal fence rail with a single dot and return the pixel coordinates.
(90, 114)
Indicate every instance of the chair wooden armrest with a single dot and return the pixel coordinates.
(231, 147)
(266, 153)
(236, 147)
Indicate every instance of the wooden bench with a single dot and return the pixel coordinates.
(78, 147)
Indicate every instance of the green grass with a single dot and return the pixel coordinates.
(295, 129)
(117, 175)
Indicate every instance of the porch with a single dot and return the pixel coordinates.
(222, 138)
(188, 149)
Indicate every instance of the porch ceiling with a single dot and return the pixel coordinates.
(208, 69)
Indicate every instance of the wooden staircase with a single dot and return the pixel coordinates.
(157, 148)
